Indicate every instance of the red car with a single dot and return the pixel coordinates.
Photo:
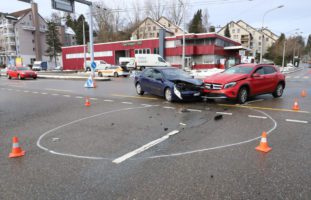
(243, 81)
(21, 73)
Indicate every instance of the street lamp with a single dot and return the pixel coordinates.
(183, 37)
(263, 20)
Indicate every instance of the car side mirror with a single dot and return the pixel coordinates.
(255, 75)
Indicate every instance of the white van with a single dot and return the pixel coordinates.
(100, 65)
(141, 61)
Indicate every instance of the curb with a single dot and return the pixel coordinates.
(72, 78)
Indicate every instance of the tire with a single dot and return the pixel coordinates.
(100, 74)
(115, 74)
(9, 77)
(168, 95)
(278, 91)
(142, 68)
(34, 78)
(242, 95)
(138, 89)
(124, 75)
(19, 77)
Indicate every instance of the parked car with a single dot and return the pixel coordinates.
(115, 71)
(169, 82)
(243, 81)
(21, 73)
(100, 65)
(40, 65)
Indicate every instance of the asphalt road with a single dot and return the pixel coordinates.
(129, 147)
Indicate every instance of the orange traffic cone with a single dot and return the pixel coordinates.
(263, 145)
(303, 93)
(296, 106)
(87, 102)
(16, 150)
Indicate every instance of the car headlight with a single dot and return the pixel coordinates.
(229, 85)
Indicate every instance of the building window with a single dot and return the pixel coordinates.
(33, 49)
(169, 25)
(259, 37)
(154, 28)
(149, 28)
(267, 39)
(259, 43)
(30, 17)
(157, 34)
(233, 30)
(151, 34)
(238, 30)
(156, 50)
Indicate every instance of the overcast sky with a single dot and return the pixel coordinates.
(294, 14)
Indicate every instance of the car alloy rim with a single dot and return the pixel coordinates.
(243, 95)
(138, 89)
(168, 95)
(280, 90)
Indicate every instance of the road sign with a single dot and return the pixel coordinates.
(63, 5)
(93, 65)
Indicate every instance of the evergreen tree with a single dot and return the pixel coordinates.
(70, 22)
(52, 40)
(196, 25)
(308, 46)
(78, 28)
(212, 29)
(227, 31)
(275, 52)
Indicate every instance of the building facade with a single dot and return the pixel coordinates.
(150, 28)
(250, 37)
(19, 35)
(202, 51)
(67, 36)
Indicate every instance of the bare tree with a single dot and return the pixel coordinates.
(175, 12)
(154, 9)
(205, 19)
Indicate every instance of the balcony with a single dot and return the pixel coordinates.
(29, 28)
(244, 38)
(6, 25)
(9, 34)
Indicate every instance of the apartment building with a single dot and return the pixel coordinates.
(150, 28)
(250, 37)
(20, 37)
(67, 36)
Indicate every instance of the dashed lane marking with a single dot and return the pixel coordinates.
(194, 110)
(94, 99)
(223, 113)
(35, 92)
(306, 77)
(26, 91)
(135, 97)
(258, 117)
(66, 95)
(79, 97)
(297, 121)
(52, 89)
(297, 77)
(144, 147)
(167, 107)
(108, 100)
(55, 94)
(264, 108)
(124, 102)
(44, 93)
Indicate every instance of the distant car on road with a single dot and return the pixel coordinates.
(243, 81)
(21, 73)
(169, 82)
(115, 71)
(100, 65)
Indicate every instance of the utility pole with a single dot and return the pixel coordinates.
(183, 37)
(35, 20)
(84, 47)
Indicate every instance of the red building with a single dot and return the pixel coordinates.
(206, 50)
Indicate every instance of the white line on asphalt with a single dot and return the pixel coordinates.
(182, 124)
(297, 121)
(44, 93)
(58, 90)
(306, 77)
(79, 97)
(194, 110)
(297, 77)
(288, 76)
(258, 117)
(167, 107)
(66, 95)
(55, 94)
(108, 100)
(223, 113)
(26, 91)
(127, 102)
(145, 105)
(17, 90)
(10, 89)
(35, 92)
(95, 99)
(257, 100)
(145, 147)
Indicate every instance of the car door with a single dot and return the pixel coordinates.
(271, 79)
(157, 83)
(258, 83)
(13, 72)
(146, 80)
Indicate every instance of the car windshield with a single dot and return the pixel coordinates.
(239, 70)
(175, 73)
(23, 68)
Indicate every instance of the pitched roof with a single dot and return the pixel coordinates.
(235, 24)
(155, 22)
(171, 23)
(20, 13)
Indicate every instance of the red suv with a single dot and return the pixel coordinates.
(245, 80)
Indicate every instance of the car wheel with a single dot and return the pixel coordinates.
(9, 77)
(35, 77)
(124, 75)
(100, 74)
(19, 77)
(242, 95)
(142, 68)
(168, 95)
(115, 74)
(138, 89)
(278, 90)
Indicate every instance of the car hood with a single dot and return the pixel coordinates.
(222, 78)
(26, 72)
(187, 80)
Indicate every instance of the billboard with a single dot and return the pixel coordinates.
(63, 5)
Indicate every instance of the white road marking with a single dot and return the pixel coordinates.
(167, 107)
(220, 147)
(58, 90)
(10, 89)
(194, 110)
(223, 113)
(26, 91)
(66, 95)
(108, 100)
(306, 77)
(258, 117)
(95, 99)
(257, 100)
(288, 76)
(17, 90)
(145, 147)
(127, 102)
(297, 121)
(44, 93)
(183, 124)
(146, 105)
(55, 94)
(297, 77)
(79, 97)
(35, 92)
